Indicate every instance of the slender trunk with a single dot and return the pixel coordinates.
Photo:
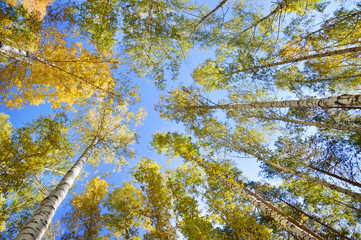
(315, 124)
(208, 14)
(12, 51)
(283, 219)
(314, 219)
(322, 182)
(331, 25)
(335, 78)
(336, 176)
(350, 207)
(299, 59)
(37, 225)
(280, 6)
(330, 102)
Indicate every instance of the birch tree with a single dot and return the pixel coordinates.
(84, 220)
(126, 216)
(28, 153)
(175, 144)
(158, 204)
(97, 125)
(80, 79)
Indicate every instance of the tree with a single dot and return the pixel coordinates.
(38, 9)
(80, 74)
(158, 204)
(186, 184)
(84, 218)
(339, 101)
(37, 225)
(177, 145)
(107, 124)
(27, 153)
(126, 212)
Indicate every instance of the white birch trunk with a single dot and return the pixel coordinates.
(12, 51)
(330, 102)
(37, 225)
(290, 225)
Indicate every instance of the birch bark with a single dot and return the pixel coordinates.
(330, 102)
(315, 219)
(37, 225)
(13, 51)
(288, 223)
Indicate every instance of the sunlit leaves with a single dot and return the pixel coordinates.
(158, 203)
(36, 8)
(68, 73)
(84, 219)
(98, 20)
(31, 157)
(114, 123)
(126, 212)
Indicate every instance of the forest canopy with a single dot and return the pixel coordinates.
(231, 88)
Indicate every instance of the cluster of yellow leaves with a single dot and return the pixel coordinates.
(69, 74)
(35, 7)
(210, 75)
(126, 213)
(85, 217)
(4, 25)
(292, 50)
(113, 123)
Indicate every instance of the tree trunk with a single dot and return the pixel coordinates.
(345, 191)
(315, 124)
(37, 225)
(335, 176)
(329, 79)
(283, 219)
(280, 6)
(314, 219)
(331, 25)
(208, 14)
(12, 51)
(330, 102)
(299, 59)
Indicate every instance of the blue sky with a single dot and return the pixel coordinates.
(152, 124)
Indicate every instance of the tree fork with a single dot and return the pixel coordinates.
(280, 6)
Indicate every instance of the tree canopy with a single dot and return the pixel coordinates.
(231, 87)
